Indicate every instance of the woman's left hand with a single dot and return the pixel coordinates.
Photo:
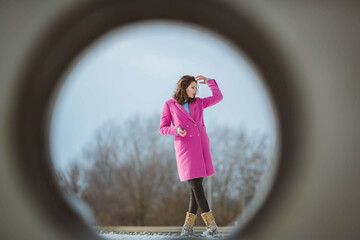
(200, 77)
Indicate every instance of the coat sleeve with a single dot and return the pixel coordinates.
(165, 122)
(216, 94)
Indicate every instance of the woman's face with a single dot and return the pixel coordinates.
(191, 90)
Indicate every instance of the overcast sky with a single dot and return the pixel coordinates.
(143, 62)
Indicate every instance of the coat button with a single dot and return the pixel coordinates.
(195, 125)
(187, 125)
(190, 135)
(198, 134)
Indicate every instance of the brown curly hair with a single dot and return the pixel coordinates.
(180, 93)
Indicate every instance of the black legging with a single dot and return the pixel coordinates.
(197, 196)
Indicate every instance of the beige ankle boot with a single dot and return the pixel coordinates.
(209, 220)
(187, 229)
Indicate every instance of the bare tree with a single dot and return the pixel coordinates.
(69, 180)
(128, 174)
(240, 163)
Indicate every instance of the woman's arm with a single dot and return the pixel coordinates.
(165, 122)
(216, 94)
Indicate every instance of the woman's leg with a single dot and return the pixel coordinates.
(197, 197)
(193, 207)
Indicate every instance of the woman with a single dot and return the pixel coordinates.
(192, 145)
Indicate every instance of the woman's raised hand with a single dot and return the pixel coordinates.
(200, 77)
(182, 132)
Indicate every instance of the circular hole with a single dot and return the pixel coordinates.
(68, 38)
(104, 133)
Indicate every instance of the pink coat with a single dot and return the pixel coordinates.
(193, 150)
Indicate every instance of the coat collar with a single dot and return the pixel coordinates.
(182, 109)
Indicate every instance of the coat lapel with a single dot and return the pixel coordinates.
(182, 109)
